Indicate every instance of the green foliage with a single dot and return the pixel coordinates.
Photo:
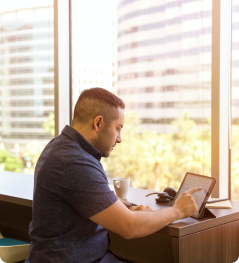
(151, 160)
(131, 157)
(235, 162)
(155, 161)
(31, 154)
(9, 163)
(49, 124)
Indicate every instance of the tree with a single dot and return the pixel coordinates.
(155, 161)
(130, 159)
(235, 162)
(10, 163)
(49, 124)
(31, 154)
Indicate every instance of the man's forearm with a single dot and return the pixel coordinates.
(144, 223)
(141, 223)
(132, 224)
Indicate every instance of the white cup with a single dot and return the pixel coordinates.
(121, 186)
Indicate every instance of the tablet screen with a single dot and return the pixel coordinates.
(194, 180)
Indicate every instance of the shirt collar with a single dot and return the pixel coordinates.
(85, 145)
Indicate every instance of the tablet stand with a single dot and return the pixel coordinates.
(207, 214)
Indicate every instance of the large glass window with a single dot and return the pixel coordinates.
(161, 68)
(26, 82)
(155, 55)
(94, 54)
(235, 102)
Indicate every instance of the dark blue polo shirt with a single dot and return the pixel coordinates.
(70, 186)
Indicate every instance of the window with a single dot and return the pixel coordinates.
(163, 74)
(155, 55)
(176, 59)
(26, 77)
(94, 48)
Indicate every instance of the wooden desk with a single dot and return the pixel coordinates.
(186, 241)
(16, 188)
(189, 240)
(16, 193)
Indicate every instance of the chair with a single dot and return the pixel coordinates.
(13, 250)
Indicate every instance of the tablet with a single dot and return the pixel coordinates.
(196, 180)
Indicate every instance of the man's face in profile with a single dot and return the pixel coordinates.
(111, 134)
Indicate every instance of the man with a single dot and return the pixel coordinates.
(73, 206)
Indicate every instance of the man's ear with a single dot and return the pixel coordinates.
(98, 123)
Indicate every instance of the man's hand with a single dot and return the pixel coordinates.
(140, 208)
(186, 203)
(136, 208)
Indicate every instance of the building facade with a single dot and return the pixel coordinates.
(164, 60)
(27, 74)
(27, 64)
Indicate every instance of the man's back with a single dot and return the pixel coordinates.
(70, 186)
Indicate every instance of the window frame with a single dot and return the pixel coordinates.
(221, 97)
(62, 64)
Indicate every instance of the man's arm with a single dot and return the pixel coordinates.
(117, 218)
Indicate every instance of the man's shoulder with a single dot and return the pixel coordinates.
(66, 157)
(62, 147)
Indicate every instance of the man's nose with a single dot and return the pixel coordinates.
(118, 139)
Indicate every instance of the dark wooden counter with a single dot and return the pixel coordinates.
(16, 192)
(190, 240)
(16, 188)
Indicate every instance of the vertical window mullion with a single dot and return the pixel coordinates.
(61, 64)
(221, 86)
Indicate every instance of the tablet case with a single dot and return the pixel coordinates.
(206, 214)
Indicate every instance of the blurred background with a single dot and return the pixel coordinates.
(155, 55)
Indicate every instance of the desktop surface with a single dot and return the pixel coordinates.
(16, 188)
(187, 240)
(188, 225)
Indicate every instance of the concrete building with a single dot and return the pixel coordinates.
(164, 60)
(27, 63)
(27, 73)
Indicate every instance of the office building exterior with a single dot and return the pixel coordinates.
(27, 65)
(164, 60)
(162, 67)
(27, 74)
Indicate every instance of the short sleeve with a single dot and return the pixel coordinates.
(85, 187)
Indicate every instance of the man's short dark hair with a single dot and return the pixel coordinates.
(94, 102)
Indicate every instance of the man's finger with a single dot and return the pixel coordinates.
(148, 208)
(193, 190)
